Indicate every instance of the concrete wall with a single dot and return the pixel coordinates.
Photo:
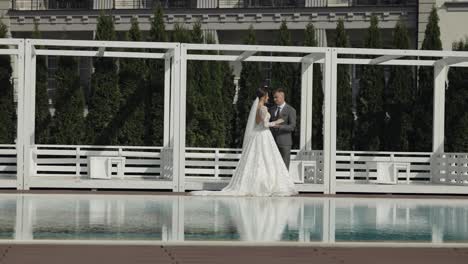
(453, 22)
(4, 6)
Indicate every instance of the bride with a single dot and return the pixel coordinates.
(261, 170)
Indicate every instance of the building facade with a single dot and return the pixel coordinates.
(226, 20)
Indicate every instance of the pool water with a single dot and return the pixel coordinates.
(28, 217)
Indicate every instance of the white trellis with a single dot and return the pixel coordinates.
(53, 166)
(438, 181)
(11, 156)
(184, 168)
(306, 56)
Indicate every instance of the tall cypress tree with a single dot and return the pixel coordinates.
(194, 100)
(154, 105)
(132, 88)
(202, 126)
(228, 90)
(250, 80)
(370, 102)
(286, 76)
(43, 117)
(317, 106)
(105, 95)
(69, 123)
(217, 133)
(7, 105)
(422, 120)
(400, 97)
(345, 117)
(456, 124)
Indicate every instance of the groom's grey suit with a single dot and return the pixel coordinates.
(283, 134)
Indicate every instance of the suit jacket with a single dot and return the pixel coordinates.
(283, 134)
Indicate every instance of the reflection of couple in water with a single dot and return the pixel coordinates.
(259, 218)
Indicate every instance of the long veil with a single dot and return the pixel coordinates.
(250, 124)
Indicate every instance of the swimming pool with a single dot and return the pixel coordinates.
(185, 219)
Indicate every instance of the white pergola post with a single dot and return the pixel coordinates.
(180, 88)
(20, 116)
(167, 99)
(307, 74)
(440, 78)
(29, 98)
(438, 120)
(329, 145)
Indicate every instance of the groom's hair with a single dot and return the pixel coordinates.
(279, 90)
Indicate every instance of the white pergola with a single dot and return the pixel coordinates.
(14, 49)
(184, 168)
(306, 56)
(169, 52)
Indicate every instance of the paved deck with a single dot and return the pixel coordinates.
(60, 254)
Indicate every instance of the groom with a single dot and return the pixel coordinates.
(283, 132)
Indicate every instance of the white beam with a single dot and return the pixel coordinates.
(383, 59)
(111, 54)
(403, 53)
(390, 62)
(11, 42)
(252, 58)
(8, 51)
(169, 54)
(449, 61)
(313, 57)
(100, 43)
(245, 55)
(258, 48)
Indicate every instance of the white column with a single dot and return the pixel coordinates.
(180, 118)
(440, 78)
(29, 111)
(311, 3)
(175, 95)
(167, 100)
(321, 36)
(20, 136)
(306, 105)
(207, 3)
(329, 147)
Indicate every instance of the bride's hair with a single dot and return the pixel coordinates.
(261, 92)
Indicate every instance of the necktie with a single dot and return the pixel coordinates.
(277, 112)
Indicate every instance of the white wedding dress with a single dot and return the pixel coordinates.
(261, 170)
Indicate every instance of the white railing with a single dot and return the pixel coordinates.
(214, 163)
(8, 162)
(361, 166)
(451, 168)
(72, 161)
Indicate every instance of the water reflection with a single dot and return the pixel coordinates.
(262, 219)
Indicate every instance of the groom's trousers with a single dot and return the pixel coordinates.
(286, 154)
